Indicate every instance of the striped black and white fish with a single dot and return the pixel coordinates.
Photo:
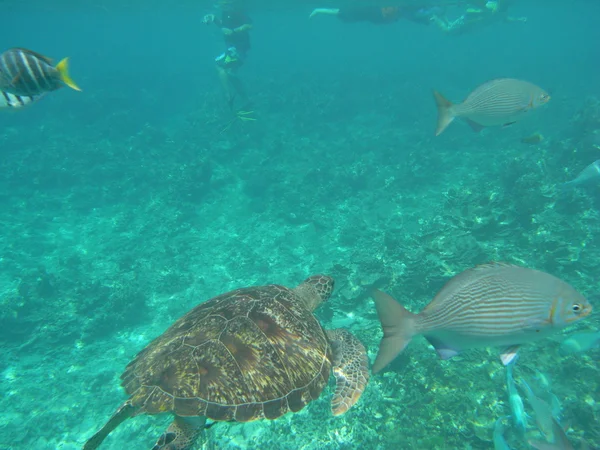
(491, 305)
(27, 73)
(498, 102)
(12, 101)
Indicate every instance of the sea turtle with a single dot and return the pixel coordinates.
(253, 353)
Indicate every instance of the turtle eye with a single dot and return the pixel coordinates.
(576, 308)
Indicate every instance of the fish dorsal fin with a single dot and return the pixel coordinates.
(458, 282)
(34, 54)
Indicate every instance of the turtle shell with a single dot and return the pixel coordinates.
(248, 354)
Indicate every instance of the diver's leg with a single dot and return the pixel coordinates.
(222, 62)
(441, 22)
(238, 86)
(181, 434)
(458, 25)
(226, 84)
(515, 19)
(324, 11)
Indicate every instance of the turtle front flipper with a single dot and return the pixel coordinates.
(123, 413)
(181, 434)
(350, 367)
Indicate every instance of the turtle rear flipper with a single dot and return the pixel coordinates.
(350, 367)
(123, 413)
(181, 434)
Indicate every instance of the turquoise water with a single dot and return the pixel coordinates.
(125, 205)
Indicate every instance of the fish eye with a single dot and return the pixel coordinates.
(576, 308)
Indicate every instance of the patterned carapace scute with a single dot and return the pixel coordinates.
(248, 354)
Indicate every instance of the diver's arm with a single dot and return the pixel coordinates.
(242, 28)
(211, 18)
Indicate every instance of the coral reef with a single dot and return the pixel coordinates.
(108, 237)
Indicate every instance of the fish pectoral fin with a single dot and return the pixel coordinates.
(446, 353)
(508, 124)
(443, 350)
(474, 125)
(509, 354)
(536, 324)
(15, 79)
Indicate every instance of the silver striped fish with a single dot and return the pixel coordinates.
(27, 73)
(12, 101)
(589, 175)
(498, 102)
(491, 305)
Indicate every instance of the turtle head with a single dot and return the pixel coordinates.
(315, 290)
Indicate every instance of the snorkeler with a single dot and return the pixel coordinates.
(235, 25)
(381, 15)
(478, 13)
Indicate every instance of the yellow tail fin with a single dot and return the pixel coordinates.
(445, 115)
(63, 71)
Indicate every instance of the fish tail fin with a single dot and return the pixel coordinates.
(398, 328)
(63, 72)
(445, 115)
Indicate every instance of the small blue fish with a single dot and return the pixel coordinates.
(543, 380)
(499, 441)
(555, 406)
(589, 175)
(517, 409)
(558, 442)
(542, 411)
(579, 342)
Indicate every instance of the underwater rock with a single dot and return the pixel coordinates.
(533, 139)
